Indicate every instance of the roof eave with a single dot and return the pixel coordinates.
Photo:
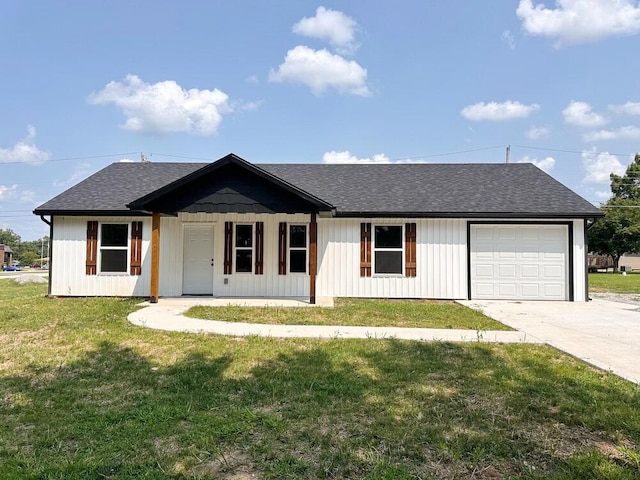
(366, 214)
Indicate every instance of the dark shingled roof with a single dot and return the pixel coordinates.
(454, 190)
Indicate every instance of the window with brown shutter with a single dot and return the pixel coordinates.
(92, 248)
(259, 247)
(136, 249)
(410, 249)
(282, 249)
(365, 249)
(228, 248)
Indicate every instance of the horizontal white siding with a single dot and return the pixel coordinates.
(441, 261)
(68, 274)
(269, 284)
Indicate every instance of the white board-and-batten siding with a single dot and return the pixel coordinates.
(269, 284)
(68, 264)
(441, 259)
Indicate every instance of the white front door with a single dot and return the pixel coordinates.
(197, 267)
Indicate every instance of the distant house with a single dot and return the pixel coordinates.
(6, 256)
(236, 229)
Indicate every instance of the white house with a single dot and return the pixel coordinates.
(236, 229)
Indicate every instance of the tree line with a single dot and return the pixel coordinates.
(619, 231)
(27, 252)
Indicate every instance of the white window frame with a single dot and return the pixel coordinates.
(375, 249)
(127, 271)
(305, 248)
(252, 248)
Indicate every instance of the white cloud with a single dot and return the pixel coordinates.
(602, 194)
(321, 70)
(580, 114)
(7, 192)
(536, 133)
(598, 166)
(580, 21)
(165, 107)
(346, 157)
(252, 79)
(498, 111)
(25, 150)
(332, 26)
(507, 37)
(545, 164)
(629, 108)
(629, 132)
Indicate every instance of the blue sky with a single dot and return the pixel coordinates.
(88, 83)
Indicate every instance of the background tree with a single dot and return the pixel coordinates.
(9, 237)
(619, 231)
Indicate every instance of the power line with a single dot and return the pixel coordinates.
(73, 158)
(588, 152)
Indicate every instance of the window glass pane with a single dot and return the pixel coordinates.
(388, 262)
(244, 235)
(244, 263)
(113, 260)
(298, 236)
(114, 234)
(388, 237)
(298, 261)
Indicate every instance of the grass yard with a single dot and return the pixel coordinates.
(614, 282)
(84, 394)
(370, 313)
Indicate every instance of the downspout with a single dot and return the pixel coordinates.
(50, 223)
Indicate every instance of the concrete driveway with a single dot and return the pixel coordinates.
(603, 333)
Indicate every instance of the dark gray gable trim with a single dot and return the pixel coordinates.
(569, 226)
(140, 203)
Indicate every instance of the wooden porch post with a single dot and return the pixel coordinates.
(313, 257)
(155, 256)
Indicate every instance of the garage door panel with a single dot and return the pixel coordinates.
(506, 233)
(530, 290)
(553, 271)
(507, 290)
(484, 271)
(505, 270)
(530, 271)
(519, 262)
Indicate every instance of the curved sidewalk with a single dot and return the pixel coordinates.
(171, 318)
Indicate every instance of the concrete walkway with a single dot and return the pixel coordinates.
(167, 314)
(603, 333)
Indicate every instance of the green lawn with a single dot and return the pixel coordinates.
(84, 394)
(371, 313)
(614, 282)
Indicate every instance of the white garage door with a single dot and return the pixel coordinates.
(519, 262)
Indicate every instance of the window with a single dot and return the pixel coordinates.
(244, 248)
(114, 246)
(297, 248)
(387, 250)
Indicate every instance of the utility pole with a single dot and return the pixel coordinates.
(508, 153)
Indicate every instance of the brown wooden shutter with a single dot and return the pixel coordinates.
(410, 249)
(228, 248)
(365, 249)
(136, 248)
(259, 247)
(92, 248)
(282, 249)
